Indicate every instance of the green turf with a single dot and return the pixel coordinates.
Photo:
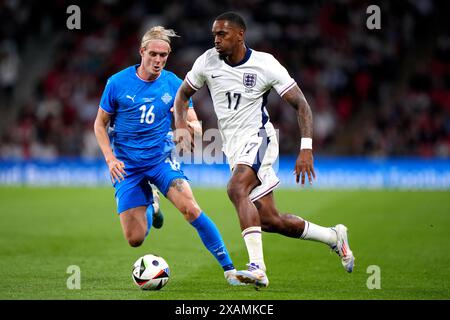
(45, 230)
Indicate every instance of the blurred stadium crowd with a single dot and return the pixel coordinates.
(373, 92)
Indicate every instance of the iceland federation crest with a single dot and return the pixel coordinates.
(249, 80)
(166, 98)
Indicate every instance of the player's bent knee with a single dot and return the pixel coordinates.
(190, 211)
(135, 238)
(236, 192)
(135, 241)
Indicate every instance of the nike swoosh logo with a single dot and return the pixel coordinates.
(212, 76)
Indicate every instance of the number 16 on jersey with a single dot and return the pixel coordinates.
(147, 116)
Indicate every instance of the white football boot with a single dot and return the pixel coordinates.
(342, 248)
(231, 278)
(253, 275)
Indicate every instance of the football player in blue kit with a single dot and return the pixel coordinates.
(137, 105)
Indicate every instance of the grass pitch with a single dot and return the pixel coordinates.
(43, 231)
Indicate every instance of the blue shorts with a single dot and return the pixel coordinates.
(135, 190)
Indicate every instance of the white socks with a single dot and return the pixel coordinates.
(317, 233)
(253, 241)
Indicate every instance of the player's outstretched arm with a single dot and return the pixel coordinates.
(181, 106)
(116, 167)
(304, 166)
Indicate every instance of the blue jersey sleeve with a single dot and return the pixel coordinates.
(107, 102)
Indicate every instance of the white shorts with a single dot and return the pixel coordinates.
(259, 153)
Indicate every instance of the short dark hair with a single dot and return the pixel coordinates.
(233, 17)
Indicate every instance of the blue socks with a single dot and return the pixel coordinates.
(209, 234)
(212, 240)
(149, 214)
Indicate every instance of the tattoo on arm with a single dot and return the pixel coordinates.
(297, 100)
(182, 101)
(178, 184)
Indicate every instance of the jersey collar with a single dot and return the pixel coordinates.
(248, 53)
(136, 66)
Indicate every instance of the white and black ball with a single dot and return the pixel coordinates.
(150, 272)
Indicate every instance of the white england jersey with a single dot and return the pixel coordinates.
(239, 93)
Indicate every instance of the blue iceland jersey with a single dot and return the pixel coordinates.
(141, 117)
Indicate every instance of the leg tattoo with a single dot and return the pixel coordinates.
(178, 184)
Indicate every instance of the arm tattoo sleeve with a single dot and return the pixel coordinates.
(297, 100)
(182, 101)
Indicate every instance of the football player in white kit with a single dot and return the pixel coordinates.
(239, 80)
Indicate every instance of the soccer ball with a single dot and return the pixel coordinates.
(150, 272)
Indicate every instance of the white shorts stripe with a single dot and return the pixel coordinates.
(263, 192)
